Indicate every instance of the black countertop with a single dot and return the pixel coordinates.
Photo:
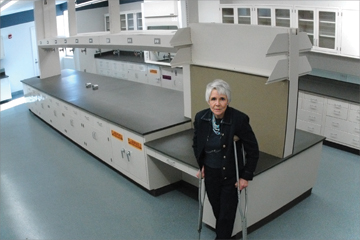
(346, 91)
(140, 108)
(183, 151)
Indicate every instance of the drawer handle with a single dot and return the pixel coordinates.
(333, 135)
(358, 118)
(336, 112)
(313, 100)
(314, 107)
(87, 118)
(312, 118)
(310, 129)
(335, 124)
(338, 106)
(99, 123)
(94, 135)
(357, 130)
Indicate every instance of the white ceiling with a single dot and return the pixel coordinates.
(23, 5)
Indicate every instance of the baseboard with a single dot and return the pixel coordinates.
(342, 147)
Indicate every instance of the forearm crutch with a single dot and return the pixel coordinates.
(242, 212)
(201, 204)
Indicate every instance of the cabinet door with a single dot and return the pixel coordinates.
(139, 25)
(306, 22)
(326, 38)
(130, 21)
(227, 15)
(350, 33)
(244, 15)
(153, 75)
(101, 140)
(123, 22)
(264, 15)
(118, 148)
(136, 157)
(283, 17)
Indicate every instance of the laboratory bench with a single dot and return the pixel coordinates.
(330, 108)
(110, 118)
(140, 131)
(278, 184)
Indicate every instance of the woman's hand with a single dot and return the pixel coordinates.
(242, 183)
(202, 173)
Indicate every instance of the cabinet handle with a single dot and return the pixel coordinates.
(335, 124)
(128, 154)
(312, 118)
(71, 122)
(313, 107)
(333, 135)
(313, 100)
(338, 106)
(310, 129)
(99, 123)
(336, 112)
(357, 130)
(122, 152)
(94, 135)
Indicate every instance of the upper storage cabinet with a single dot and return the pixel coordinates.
(333, 29)
(321, 25)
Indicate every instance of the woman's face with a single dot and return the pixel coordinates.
(218, 103)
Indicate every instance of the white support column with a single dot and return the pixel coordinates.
(72, 17)
(293, 91)
(114, 16)
(45, 24)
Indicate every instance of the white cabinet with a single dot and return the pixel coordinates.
(331, 29)
(171, 78)
(128, 154)
(310, 113)
(154, 75)
(128, 21)
(350, 28)
(137, 72)
(337, 120)
(321, 25)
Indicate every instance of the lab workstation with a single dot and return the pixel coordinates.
(114, 106)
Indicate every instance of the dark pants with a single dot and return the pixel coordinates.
(222, 195)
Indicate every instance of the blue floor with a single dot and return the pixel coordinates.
(51, 189)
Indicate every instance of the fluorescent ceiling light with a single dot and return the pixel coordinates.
(88, 3)
(6, 3)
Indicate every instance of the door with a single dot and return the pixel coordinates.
(35, 55)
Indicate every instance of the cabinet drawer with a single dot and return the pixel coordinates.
(317, 107)
(336, 104)
(314, 98)
(342, 137)
(308, 127)
(354, 116)
(336, 123)
(353, 128)
(312, 117)
(336, 111)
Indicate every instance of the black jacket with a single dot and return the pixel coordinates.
(233, 123)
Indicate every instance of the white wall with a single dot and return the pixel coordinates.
(18, 54)
(209, 11)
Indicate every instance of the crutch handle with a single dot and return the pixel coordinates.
(236, 138)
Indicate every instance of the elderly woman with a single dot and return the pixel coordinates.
(214, 131)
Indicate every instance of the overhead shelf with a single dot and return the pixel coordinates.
(157, 40)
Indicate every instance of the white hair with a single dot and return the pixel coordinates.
(221, 87)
